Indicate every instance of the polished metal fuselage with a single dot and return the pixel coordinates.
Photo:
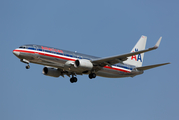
(57, 58)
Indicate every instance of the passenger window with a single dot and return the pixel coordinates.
(39, 49)
(31, 48)
(80, 57)
(75, 56)
(46, 51)
(49, 51)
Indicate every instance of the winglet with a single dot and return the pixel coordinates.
(158, 43)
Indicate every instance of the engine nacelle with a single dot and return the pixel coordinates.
(83, 64)
(51, 72)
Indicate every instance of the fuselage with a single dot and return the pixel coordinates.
(57, 58)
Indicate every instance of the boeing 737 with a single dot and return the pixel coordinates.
(58, 62)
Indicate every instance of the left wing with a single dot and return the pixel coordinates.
(120, 58)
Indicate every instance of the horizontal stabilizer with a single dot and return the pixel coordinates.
(150, 66)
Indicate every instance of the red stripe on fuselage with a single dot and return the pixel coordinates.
(118, 69)
(45, 54)
(55, 56)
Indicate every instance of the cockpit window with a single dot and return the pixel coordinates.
(22, 47)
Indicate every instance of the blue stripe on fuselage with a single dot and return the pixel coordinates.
(80, 57)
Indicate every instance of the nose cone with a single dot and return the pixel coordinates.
(16, 53)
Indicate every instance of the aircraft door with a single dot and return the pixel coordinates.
(35, 48)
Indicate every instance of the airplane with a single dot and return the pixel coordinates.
(59, 62)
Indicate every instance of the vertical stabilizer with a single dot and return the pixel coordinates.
(137, 60)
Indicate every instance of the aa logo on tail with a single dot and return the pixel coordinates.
(136, 57)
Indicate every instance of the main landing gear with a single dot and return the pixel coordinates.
(92, 75)
(73, 79)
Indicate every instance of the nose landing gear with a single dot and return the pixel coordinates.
(27, 62)
(27, 67)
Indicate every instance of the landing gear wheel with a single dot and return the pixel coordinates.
(73, 79)
(27, 67)
(92, 75)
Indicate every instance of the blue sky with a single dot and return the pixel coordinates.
(101, 28)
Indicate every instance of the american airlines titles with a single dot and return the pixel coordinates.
(52, 49)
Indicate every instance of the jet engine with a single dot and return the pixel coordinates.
(83, 64)
(51, 72)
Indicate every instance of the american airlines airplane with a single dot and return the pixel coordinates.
(60, 62)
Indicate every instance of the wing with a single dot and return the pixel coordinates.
(150, 66)
(120, 58)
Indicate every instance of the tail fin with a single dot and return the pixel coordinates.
(137, 60)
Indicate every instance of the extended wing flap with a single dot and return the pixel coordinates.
(150, 66)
